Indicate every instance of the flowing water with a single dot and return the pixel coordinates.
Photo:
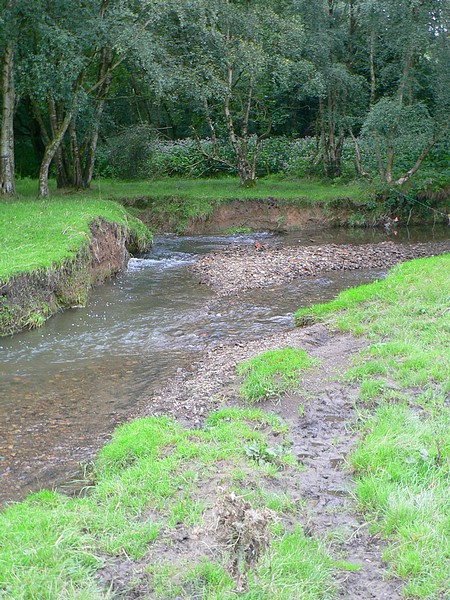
(65, 386)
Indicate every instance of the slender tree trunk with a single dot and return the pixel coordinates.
(7, 181)
(390, 153)
(104, 76)
(62, 171)
(50, 151)
(404, 178)
(323, 139)
(373, 81)
(77, 177)
(244, 167)
(358, 163)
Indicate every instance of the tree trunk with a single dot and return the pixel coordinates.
(358, 164)
(50, 151)
(7, 181)
(323, 140)
(77, 177)
(404, 178)
(104, 78)
(373, 81)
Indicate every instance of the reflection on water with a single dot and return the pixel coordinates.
(66, 385)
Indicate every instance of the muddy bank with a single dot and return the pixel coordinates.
(28, 299)
(320, 417)
(211, 217)
(246, 267)
(263, 215)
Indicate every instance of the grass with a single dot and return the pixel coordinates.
(402, 462)
(39, 234)
(171, 202)
(148, 480)
(273, 372)
(220, 189)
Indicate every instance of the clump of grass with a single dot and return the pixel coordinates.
(146, 482)
(403, 477)
(273, 372)
(402, 462)
(240, 230)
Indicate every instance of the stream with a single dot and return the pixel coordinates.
(66, 385)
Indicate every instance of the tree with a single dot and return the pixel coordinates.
(413, 113)
(7, 49)
(231, 57)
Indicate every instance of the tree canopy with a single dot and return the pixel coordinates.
(373, 74)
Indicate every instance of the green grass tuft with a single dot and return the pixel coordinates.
(272, 373)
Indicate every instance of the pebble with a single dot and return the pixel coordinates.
(240, 268)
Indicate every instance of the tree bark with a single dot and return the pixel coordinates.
(373, 81)
(104, 76)
(77, 177)
(246, 169)
(50, 151)
(404, 178)
(7, 181)
(358, 164)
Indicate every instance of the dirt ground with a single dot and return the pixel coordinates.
(321, 435)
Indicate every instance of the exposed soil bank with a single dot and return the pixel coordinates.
(28, 299)
(273, 214)
(246, 267)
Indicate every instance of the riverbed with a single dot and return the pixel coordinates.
(65, 386)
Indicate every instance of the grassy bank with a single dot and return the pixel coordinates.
(402, 462)
(152, 479)
(169, 204)
(38, 234)
(47, 262)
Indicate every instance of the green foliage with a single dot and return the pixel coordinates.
(272, 373)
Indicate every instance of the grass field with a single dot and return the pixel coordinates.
(402, 462)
